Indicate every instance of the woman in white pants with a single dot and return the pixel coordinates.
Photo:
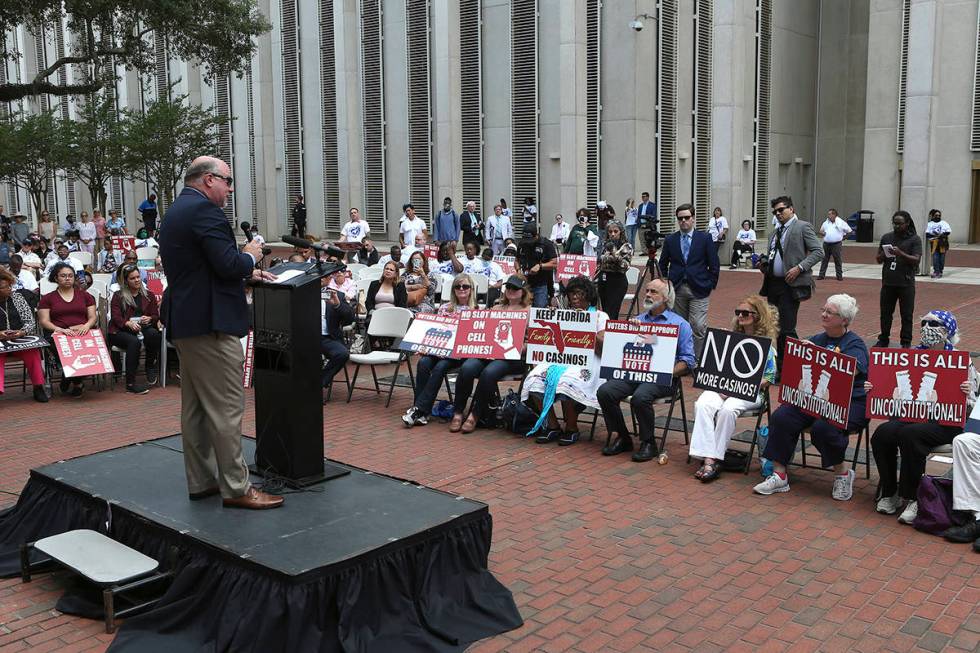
(715, 414)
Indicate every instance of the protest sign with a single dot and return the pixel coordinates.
(732, 364)
(563, 336)
(83, 355)
(818, 381)
(573, 265)
(248, 347)
(506, 264)
(21, 344)
(639, 353)
(918, 385)
(431, 251)
(431, 334)
(123, 243)
(491, 335)
(156, 283)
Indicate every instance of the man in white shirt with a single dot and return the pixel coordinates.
(937, 234)
(25, 278)
(411, 228)
(31, 260)
(394, 254)
(833, 230)
(355, 230)
(559, 232)
(419, 244)
(63, 257)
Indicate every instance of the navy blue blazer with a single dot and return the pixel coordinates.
(700, 272)
(205, 270)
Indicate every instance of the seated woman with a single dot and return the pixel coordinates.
(446, 261)
(966, 489)
(133, 325)
(431, 370)
(787, 421)
(386, 291)
(573, 386)
(343, 282)
(16, 321)
(744, 242)
(517, 297)
(420, 286)
(109, 258)
(714, 414)
(66, 310)
(916, 441)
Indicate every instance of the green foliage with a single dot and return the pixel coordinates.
(217, 34)
(95, 140)
(33, 148)
(158, 145)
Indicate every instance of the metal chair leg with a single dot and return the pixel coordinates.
(350, 390)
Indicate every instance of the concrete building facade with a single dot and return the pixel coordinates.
(852, 104)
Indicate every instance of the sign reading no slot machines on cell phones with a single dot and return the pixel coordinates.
(83, 355)
(491, 335)
(431, 334)
(563, 336)
(639, 353)
(818, 381)
(574, 265)
(918, 385)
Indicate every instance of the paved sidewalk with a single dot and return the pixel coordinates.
(602, 554)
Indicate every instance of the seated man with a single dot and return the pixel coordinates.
(368, 254)
(25, 279)
(411, 249)
(335, 314)
(63, 258)
(394, 254)
(966, 489)
(658, 300)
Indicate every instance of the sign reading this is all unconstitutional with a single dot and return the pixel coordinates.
(732, 364)
(918, 385)
(818, 381)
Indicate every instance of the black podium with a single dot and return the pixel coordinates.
(287, 372)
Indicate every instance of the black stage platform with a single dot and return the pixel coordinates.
(364, 562)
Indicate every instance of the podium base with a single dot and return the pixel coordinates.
(330, 472)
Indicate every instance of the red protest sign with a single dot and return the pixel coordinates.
(491, 335)
(248, 346)
(918, 385)
(83, 355)
(818, 381)
(123, 243)
(431, 251)
(573, 265)
(155, 283)
(506, 264)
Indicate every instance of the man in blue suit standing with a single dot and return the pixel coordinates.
(206, 315)
(690, 260)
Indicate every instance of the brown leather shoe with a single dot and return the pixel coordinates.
(456, 423)
(204, 494)
(469, 425)
(253, 500)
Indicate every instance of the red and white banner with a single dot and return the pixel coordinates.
(431, 334)
(566, 337)
(156, 282)
(918, 385)
(123, 243)
(573, 265)
(83, 355)
(431, 251)
(248, 347)
(506, 264)
(491, 335)
(639, 353)
(818, 381)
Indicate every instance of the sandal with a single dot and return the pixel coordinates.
(700, 473)
(711, 472)
(456, 424)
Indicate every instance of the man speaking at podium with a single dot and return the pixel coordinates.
(206, 316)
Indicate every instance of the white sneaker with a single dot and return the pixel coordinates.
(414, 417)
(889, 505)
(772, 485)
(910, 513)
(843, 486)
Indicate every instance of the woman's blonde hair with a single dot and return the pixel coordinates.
(462, 276)
(125, 293)
(766, 321)
(526, 296)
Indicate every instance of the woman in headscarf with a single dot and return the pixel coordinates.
(614, 261)
(914, 441)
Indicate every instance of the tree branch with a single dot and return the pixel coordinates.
(12, 92)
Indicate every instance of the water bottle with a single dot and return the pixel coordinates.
(763, 437)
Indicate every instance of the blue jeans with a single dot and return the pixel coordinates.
(337, 356)
(488, 373)
(429, 374)
(539, 296)
(631, 230)
(938, 262)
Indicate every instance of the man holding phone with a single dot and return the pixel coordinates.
(898, 252)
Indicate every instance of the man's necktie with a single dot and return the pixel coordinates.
(685, 246)
(778, 245)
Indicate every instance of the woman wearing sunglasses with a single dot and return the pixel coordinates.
(914, 442)
(134, 318)
(714, 414)
(516, 297)
(431, 370)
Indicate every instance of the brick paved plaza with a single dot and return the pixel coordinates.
(601, 554)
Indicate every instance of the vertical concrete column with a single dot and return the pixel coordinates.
(350, 160)
(447, 130)
(728, 114)
(572, 112)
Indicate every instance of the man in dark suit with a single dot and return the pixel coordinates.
(471, 225)
(794, 249)
(646, 212)
(206, 316)
(335, 313)
(690, 260)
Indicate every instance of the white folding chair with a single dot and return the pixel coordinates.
(84, 258)
(390, 322)
(147, 253)
(482, 282)
(632, 278)
(104, 278)
(47, 286)
(355, 269)
(371, 273)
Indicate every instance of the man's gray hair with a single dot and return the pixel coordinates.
(201, 168)
(846, 305)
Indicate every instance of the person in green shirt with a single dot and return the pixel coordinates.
(579, 240)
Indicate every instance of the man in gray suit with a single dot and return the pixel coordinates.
(794, 249)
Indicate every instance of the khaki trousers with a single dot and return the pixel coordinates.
(212, 405)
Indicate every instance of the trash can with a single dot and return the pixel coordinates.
(866, 227)
(852, 222)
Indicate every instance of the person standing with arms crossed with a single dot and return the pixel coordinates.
(205, 313)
